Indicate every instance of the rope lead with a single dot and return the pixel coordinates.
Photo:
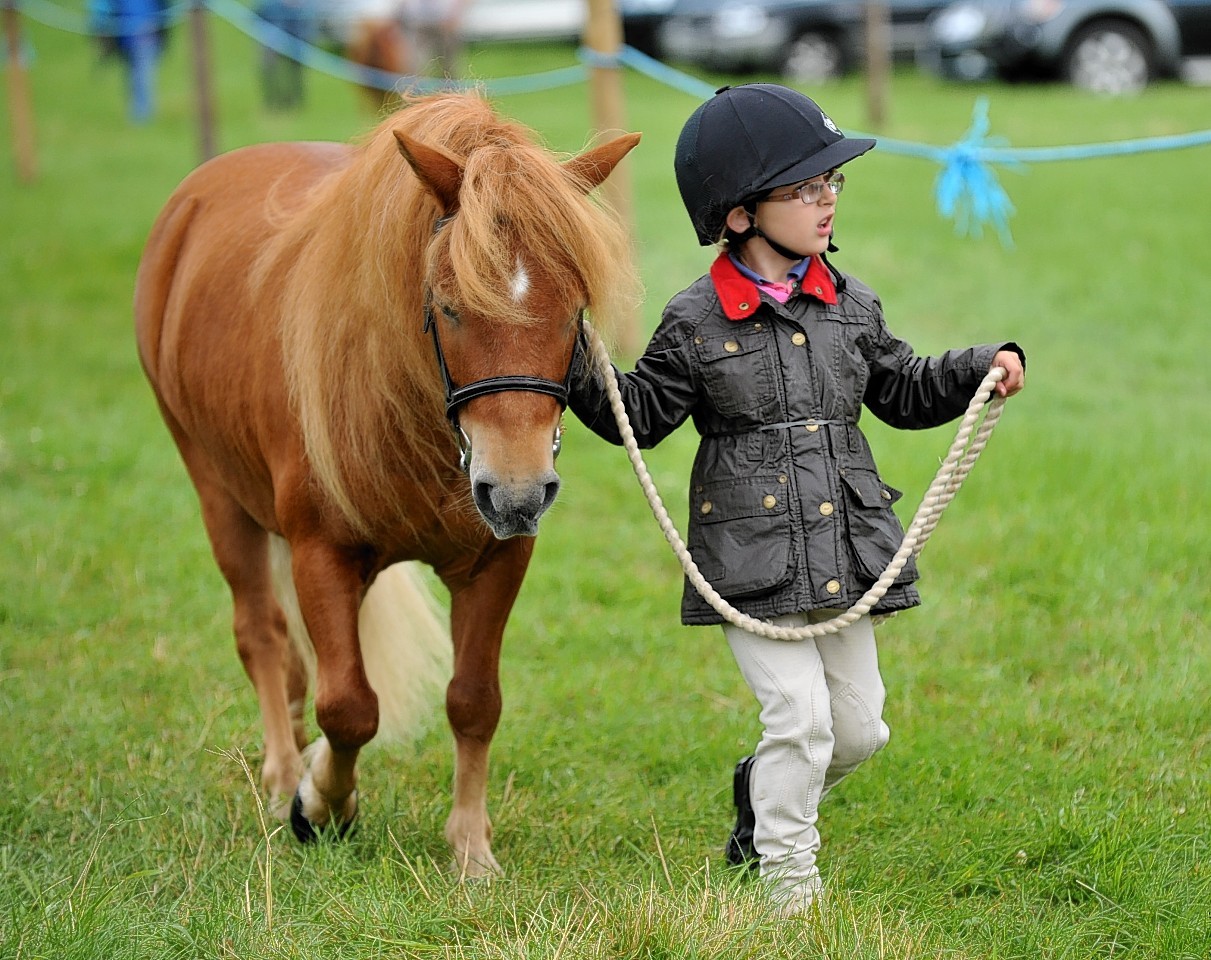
(968, 444)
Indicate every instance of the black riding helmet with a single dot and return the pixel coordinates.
(745, 141)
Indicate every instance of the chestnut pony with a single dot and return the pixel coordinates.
(382, 45)
(362, 354)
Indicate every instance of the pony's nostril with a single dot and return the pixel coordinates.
(550, 492)
(482, 491)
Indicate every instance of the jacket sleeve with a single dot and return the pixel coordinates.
(658, 394)
(914, 393)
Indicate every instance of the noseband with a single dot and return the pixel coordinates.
(457, 396)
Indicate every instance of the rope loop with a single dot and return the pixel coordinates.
(976, 427)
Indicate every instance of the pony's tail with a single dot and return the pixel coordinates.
(405, 643)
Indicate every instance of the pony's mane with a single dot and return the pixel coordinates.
(357, 257)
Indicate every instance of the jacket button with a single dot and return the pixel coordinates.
(698, 339)
(731, 346)
(757, 326)
(811, 427)
(833, 586)
(769, 501)
(782, 478)
(885, 494)
(798, 339)
(706, 507)
(826, 509)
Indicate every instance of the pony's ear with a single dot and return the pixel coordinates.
(438, 170)
(590, 168)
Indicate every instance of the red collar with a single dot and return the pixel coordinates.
(740, 297)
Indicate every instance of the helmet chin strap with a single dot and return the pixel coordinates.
(778, 248)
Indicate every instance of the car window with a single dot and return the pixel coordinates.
(1194, 23)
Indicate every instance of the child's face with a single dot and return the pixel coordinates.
(793, 217)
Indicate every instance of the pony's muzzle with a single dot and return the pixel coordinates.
(514, 509)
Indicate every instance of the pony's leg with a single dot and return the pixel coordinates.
(296, 695)
(297, 676)
(241, 548)
(330, 586)
(479, 610)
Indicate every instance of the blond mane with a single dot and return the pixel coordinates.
(358, 256)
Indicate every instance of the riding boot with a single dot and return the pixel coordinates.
(740, 850)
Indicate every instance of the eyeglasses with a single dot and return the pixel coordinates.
(811, 191)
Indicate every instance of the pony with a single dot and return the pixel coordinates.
(362, 352)
(369, 33)
(380, 44)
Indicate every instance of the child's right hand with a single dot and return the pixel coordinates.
(1015, 373)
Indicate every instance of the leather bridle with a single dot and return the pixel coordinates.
(457, 396)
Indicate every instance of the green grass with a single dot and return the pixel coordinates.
(1045, 790)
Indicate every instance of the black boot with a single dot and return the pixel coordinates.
(740, 850)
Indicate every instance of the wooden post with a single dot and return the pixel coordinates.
(878, 62)
(18, 97)
(603, 35)
(204, 88)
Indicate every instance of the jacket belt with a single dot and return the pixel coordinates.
(786, 424)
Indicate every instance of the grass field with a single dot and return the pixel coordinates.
(1045, 793)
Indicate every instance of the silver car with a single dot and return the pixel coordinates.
(801, 40)
(1106, 46)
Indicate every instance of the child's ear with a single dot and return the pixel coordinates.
(738, 219)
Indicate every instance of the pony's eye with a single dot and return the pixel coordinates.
(449, 313)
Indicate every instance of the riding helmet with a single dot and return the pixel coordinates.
(748, 139)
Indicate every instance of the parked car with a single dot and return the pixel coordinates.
(802, 40)
(641, 21)
(524, 20)
(1107, 46)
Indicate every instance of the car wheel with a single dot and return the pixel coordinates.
(812, 57)
(1110, 58)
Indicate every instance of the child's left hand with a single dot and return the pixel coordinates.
(1015, 373)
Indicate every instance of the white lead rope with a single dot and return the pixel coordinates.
(964, 452)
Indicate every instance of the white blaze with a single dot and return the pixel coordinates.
(521, 283)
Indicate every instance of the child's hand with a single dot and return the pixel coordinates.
(1015, 373)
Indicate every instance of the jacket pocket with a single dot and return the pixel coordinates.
(740, 535)
(736, 372)
(875, 532)
(848, 366)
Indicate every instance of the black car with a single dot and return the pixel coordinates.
(641, 20)
(1107, 46)
(802, 40)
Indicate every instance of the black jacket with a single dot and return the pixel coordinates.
(787, 510)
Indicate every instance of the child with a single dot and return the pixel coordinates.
(773, 354)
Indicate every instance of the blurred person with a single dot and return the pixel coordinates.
(135, 32)
(282, 70)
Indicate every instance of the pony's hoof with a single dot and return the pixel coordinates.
(305, 831)
(484, 867)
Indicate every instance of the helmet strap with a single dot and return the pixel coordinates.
(778, 248)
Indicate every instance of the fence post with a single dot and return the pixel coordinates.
(203, 86)
(18, 97)
(878, 62)
(603, 36)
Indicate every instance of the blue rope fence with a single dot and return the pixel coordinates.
(966, 189)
